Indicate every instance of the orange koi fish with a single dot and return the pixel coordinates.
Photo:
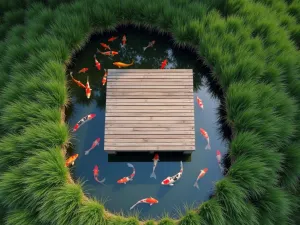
(105, 46)
(200, 103)
(202, 173)
(155, 160)
(124, 180)
(96, 174)
(219, 157)
(150, 44)
(77, 81)
(120, 64)
(149, 201)
(88, 89)
(108, 53)
(205, 135)
(95, 143)
(83, 121)
(163, 64)
(71, 160)
(112, 39)
(104, 77)
(124, 41)
(83, 70)
(98, 65)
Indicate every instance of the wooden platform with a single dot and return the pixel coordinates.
(149, 110)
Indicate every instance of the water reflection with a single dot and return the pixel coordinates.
(113, 167)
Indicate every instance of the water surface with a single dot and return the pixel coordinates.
(122, 197)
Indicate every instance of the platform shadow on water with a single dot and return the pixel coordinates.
(147, 157)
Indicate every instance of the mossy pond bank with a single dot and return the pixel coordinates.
(120, 197)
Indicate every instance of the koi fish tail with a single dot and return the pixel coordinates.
(130, 165)
(71, 74)
(181, 166)
(102, 181)
(87, 152)
(208, 145)
(95, 56)
(99, 181)
(134, 205)
(132, 62)
(144, 48)
(196, 185)
(98, 51)
(153, 175)
(221, 167)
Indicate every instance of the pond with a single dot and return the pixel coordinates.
(120, 197)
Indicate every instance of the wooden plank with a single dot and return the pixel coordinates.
(145, 107)
(122, 144)
(134, 148)
(173, 132)
(148, 140)
(164, 100)
(152, 118)
(126, 80)
(163, 90)
(169, 83)
(141, 93)
(150, 121)
(158, 86)
(149, 136)
(150, 104)
(149, 125)
(130, 129)
(148, 96)
(151, 76)
(149, 70)
(149, 111)
(145, 114)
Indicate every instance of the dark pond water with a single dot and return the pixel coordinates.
(118, 197)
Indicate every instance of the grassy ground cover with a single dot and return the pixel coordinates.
(253, 60)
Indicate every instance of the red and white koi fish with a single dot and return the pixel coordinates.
(71, 160)
(95, 143)
(171, 180)
(88, 89)
(205, 135)
(149, 201)
(124, 41)
(108, 53)
(124, 180)
(98, 65)
(77, 81)
(83, 70)
(96, 174)
(200, 103)
(163, 64)
(104, 77)
(150, 44)
(83, 121)
(219, 158)
(202, 173)
(112, 39)
(105, 46)
(155, 160)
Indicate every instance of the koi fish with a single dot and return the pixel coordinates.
(105, 46)
(155, 160)
(112, 39)
(149, 201)
(88, 89)
(171, 180)
(77, 81)
(104, 77)
(163, 64)
(150, 44)
(205, 135)
(124, 41)
(95, 143)
(200, 103)
(120, 64)
(83, 70)
(108, 53)
(96, 174)
(219, 157)
(202, 173)
(124, 180)
(98, 65)
(71, 160)
(83, 121)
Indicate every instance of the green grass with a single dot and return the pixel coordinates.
(255, 62)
